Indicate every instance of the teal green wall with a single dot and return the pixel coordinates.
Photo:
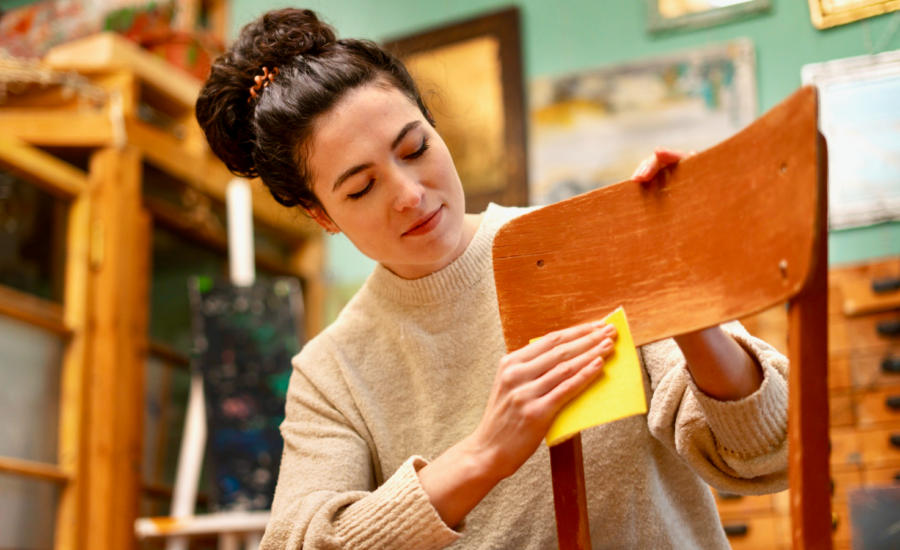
(568, 35)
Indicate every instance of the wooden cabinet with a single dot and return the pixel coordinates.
(126, 154)
(864, 397)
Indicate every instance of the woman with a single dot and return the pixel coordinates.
(408, 425)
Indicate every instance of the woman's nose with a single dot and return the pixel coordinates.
(409, 193)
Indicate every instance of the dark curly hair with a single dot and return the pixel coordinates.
(269, 136)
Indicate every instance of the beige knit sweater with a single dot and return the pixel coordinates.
(405, 373)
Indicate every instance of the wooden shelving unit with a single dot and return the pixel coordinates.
(145, 124)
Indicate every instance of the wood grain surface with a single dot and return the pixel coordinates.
(719, 236)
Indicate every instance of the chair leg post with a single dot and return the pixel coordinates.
(569, 497)
(808, 468)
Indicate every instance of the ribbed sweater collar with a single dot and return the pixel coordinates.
(448, 283)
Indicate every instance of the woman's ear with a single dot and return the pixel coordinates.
(320, 217)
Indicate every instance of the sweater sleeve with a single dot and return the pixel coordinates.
(327, 497)
(735, 446)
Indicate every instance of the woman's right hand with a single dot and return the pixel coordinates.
(531, 386)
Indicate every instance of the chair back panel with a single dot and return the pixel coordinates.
(720, 235)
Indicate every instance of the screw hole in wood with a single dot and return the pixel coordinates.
(540, 263)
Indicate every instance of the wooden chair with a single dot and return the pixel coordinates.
(728, 233)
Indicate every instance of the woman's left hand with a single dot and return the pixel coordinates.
(650, 166)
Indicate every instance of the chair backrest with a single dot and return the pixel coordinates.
(721, 235)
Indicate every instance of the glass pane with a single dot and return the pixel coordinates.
(27, 513)
(30, 364)
(166, 398)
(174, 260)
(32, 238)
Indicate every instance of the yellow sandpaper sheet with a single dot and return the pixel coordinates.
(617, 393)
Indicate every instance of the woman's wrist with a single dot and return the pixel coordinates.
(719, 365)
(459, 479)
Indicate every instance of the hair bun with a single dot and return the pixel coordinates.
(274, 40)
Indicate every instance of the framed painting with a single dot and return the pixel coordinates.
(470, 76)
(859, 116)
(591, 128)
(830, 13)
(670, 15)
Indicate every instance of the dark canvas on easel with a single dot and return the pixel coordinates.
(244, 339)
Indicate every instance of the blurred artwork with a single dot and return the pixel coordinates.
(244, 339)
(30, 31)
(860, 117)
(592, 128)
(678, 8)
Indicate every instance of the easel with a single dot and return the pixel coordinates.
(232, 526)
(728, 233)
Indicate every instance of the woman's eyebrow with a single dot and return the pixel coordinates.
(357, 169)
(409, 126)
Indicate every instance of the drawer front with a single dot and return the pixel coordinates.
(844, 481)
(875, 369)
(842, 533)
(882, 476)
(758, 533)
(879, 448)
(859, 333)
(736, 505)
(839, 377)
(846, 450)
(841, 411)
(878, 408)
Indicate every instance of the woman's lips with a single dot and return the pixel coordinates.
(427, 224)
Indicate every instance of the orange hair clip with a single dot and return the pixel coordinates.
(261, 82)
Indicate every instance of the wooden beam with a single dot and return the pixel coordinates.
(117, 347)
(307, 262)
(36, 470)
(89, 128)
(207, 174)
(33, 310)
(229, 522)
(109, 51)
(72, 380)
(45, 171)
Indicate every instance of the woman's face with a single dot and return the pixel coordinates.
(385, 178)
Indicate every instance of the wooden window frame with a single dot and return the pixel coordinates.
(68, 320)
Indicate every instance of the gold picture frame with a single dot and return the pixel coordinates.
(831, 13)
(471, 76)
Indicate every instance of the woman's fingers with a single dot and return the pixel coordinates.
(568, 389)
(593, 359)
(649, 167)
(552, 340)
(562, 353)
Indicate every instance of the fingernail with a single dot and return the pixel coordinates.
(606, 345)
(595, 363)
(612, 331)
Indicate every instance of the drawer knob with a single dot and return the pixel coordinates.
(895, 440)
(885, 284)
(890, 364)
(893, 402)
(736, 530)
(889, 328)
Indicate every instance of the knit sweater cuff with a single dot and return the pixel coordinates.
(757, 424)
(398, 515)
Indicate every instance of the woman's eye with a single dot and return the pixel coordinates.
(360, 194)
(420, 152)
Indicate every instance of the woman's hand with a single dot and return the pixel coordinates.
(650, 166)
(532, 384)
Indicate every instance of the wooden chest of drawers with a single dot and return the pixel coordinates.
(864, 396)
